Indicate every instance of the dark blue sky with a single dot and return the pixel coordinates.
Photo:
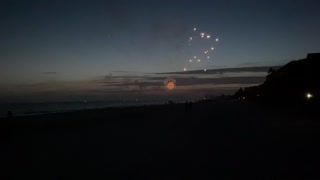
(84, 39)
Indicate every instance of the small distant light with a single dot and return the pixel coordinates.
(208, 57)
(217, 40)
(212, 48)
(199, 60)
(184, 69)
(190, 60)
(243, 98)
(194, 29)
(208, 36)
(205, 70)
(85, 101)
(195, 57)
(309, 96)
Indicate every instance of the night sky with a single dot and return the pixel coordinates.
(67, 46)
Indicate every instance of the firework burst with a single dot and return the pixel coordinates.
(201, 46)
(169, 83)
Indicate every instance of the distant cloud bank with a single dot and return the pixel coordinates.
(125, 85)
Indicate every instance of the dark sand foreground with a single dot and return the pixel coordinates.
(214, 139)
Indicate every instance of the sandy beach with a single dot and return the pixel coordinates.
(211, 139)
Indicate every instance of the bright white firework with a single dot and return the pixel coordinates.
(212, 48)
(208, 36)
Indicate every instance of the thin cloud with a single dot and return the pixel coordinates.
(50, 73)
(118, 85)
(224, 70)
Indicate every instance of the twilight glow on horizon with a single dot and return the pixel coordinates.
(94, 49)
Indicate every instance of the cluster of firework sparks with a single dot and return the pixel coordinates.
(200, 49)
(202, 45)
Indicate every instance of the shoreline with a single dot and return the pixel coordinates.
(37, 113)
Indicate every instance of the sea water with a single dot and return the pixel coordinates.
(25, 109)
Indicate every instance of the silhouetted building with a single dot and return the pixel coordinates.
(297, 81)
(315, 56)
(252, 93)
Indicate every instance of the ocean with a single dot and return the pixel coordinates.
(27, 109)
